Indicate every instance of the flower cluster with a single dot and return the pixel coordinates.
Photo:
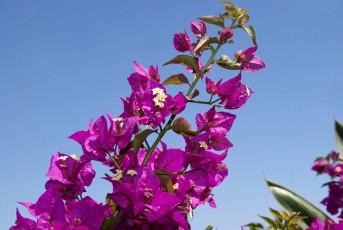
(327, 225)
(332, 165)
(153, 186)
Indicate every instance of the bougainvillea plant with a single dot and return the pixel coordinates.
(155, 186)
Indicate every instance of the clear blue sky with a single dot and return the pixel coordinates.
(64, 62)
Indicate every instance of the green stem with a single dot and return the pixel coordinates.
(206, 103)
(201, 72)
(172, 117)
(113, 160)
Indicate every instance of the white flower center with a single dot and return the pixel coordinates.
(160, 96)
(203, 144)
(117, 119)
(63, 158)
(131, 172)
(75, 157)
(118, 175)
(176, 186)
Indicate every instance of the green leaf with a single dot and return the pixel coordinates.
(214, 20)
(110, 202)
(254, 226)
(228, 65)
(339, 138)
(296, 219)
(181, 126)
(176, 79)
(234, 11)
(167, 182)
(183, 60)
(127, 148)
(210, 227)
(292, 202)
(275, 213)
(251, 32)
(140, 138)
(111, 223)
(269, 221)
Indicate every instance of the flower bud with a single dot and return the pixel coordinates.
(182, 42)
(225, 34)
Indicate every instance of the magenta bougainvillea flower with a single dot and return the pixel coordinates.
(23, 223)
(85, 214)
(233, 93)
(49, 210)
(321, 166)
(182, 42)
(225, 35)
(327, 225)
(69, 175)
(249, 61)
(95, 142)
(211, 87)
(198, 29)
(121, 130)
(215, 122)
(333, 167)
(180, 103)
(141, 77)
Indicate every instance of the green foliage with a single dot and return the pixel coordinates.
(339, 137)
(140, 138)
(282, 221)
(251, 32)
(294, 203)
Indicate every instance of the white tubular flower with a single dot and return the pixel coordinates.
(160, 97)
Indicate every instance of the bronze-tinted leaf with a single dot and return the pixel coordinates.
(214, 20)
(181, 126)
(195, 94)
(183, 60)
(206, 45)
(176, 79)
